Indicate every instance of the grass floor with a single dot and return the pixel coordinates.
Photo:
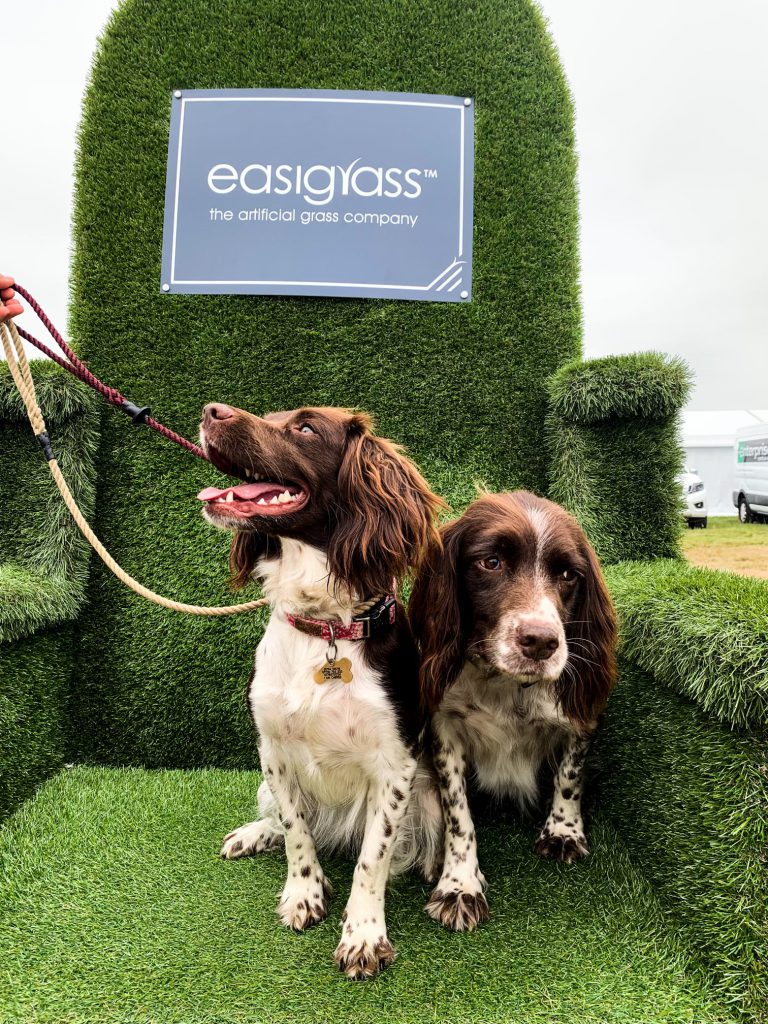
(728, 544)
(116, 908)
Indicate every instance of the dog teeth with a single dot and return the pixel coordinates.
(274, 501)
(261, 501)
(230, 496)
(285, 496)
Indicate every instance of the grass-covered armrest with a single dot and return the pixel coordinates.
(614, 451)
(702, 632)
(43, 565)
(31, 600)
(682, 762)
(43, 559)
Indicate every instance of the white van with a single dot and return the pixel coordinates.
(694, 497)
(750, 495)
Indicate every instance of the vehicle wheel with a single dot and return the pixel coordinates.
(703, 523)
(745, 513)
(691, 523)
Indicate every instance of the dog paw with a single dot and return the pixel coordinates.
(255, 837)
(567, 847)
(301, 907)
(458, 910)
(362, 957)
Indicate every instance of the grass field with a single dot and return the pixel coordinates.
(729, 544)
(116, 909)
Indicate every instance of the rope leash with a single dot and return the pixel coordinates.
(72, 364)
(22, 376)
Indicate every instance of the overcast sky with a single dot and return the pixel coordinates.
(673, 148)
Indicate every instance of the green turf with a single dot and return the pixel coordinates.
(116, 908)
(42, 555)
(649, 385)
(702, 632)
(43, 562)
(614, 440)
(462, 385)
(35, 677)
(689, 796)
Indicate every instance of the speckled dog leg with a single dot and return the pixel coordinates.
(562, 837)
(458, 901)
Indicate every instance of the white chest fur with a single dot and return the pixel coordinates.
(335, 735)
(507, 731)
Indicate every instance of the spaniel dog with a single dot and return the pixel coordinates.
(518, 635)
(331, 517)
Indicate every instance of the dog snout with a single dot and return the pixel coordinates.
(537, 640)
(217, 411)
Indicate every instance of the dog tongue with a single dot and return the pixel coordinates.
(244, 492)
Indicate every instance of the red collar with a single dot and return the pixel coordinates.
(360, 628)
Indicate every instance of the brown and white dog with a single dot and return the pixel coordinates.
(518, 634)
(330, 515)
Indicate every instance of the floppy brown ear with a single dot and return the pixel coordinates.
(386, 517)
(436, 619)
(590, 675)
(248, 547)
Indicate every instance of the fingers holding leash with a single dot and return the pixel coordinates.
(9, 304)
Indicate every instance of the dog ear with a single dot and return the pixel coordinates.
(437, 620)
(248, 548)
(584, 687)
(387, 514)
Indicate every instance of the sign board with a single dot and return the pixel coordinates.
(313, 192)
(753, 450)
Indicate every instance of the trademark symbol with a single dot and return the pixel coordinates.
(430, 172)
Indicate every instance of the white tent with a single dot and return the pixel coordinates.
(708, 438)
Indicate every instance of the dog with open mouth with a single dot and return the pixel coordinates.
(331, 517)
(518, 637)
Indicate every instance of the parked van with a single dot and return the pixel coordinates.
(694, 497)
(750, 495)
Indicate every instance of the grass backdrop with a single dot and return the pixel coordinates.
(463, 386)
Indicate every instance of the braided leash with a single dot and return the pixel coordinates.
(22, 376)
(72, 364)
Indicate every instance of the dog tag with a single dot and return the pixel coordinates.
(334, 670)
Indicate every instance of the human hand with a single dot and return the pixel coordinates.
(9, 304)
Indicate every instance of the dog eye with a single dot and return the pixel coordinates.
(567, 576)
(304, 428)
(491, 563)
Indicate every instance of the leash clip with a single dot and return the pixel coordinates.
(138, 414)
(45, 443)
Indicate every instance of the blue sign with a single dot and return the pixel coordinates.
(314, 192)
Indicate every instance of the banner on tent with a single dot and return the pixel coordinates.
(753, 450)
(310, 192)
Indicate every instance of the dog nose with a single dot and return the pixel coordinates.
(537, 640)
(217, 411)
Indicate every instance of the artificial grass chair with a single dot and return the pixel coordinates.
(115, 906)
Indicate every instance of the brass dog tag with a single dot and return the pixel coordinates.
(334, 670)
